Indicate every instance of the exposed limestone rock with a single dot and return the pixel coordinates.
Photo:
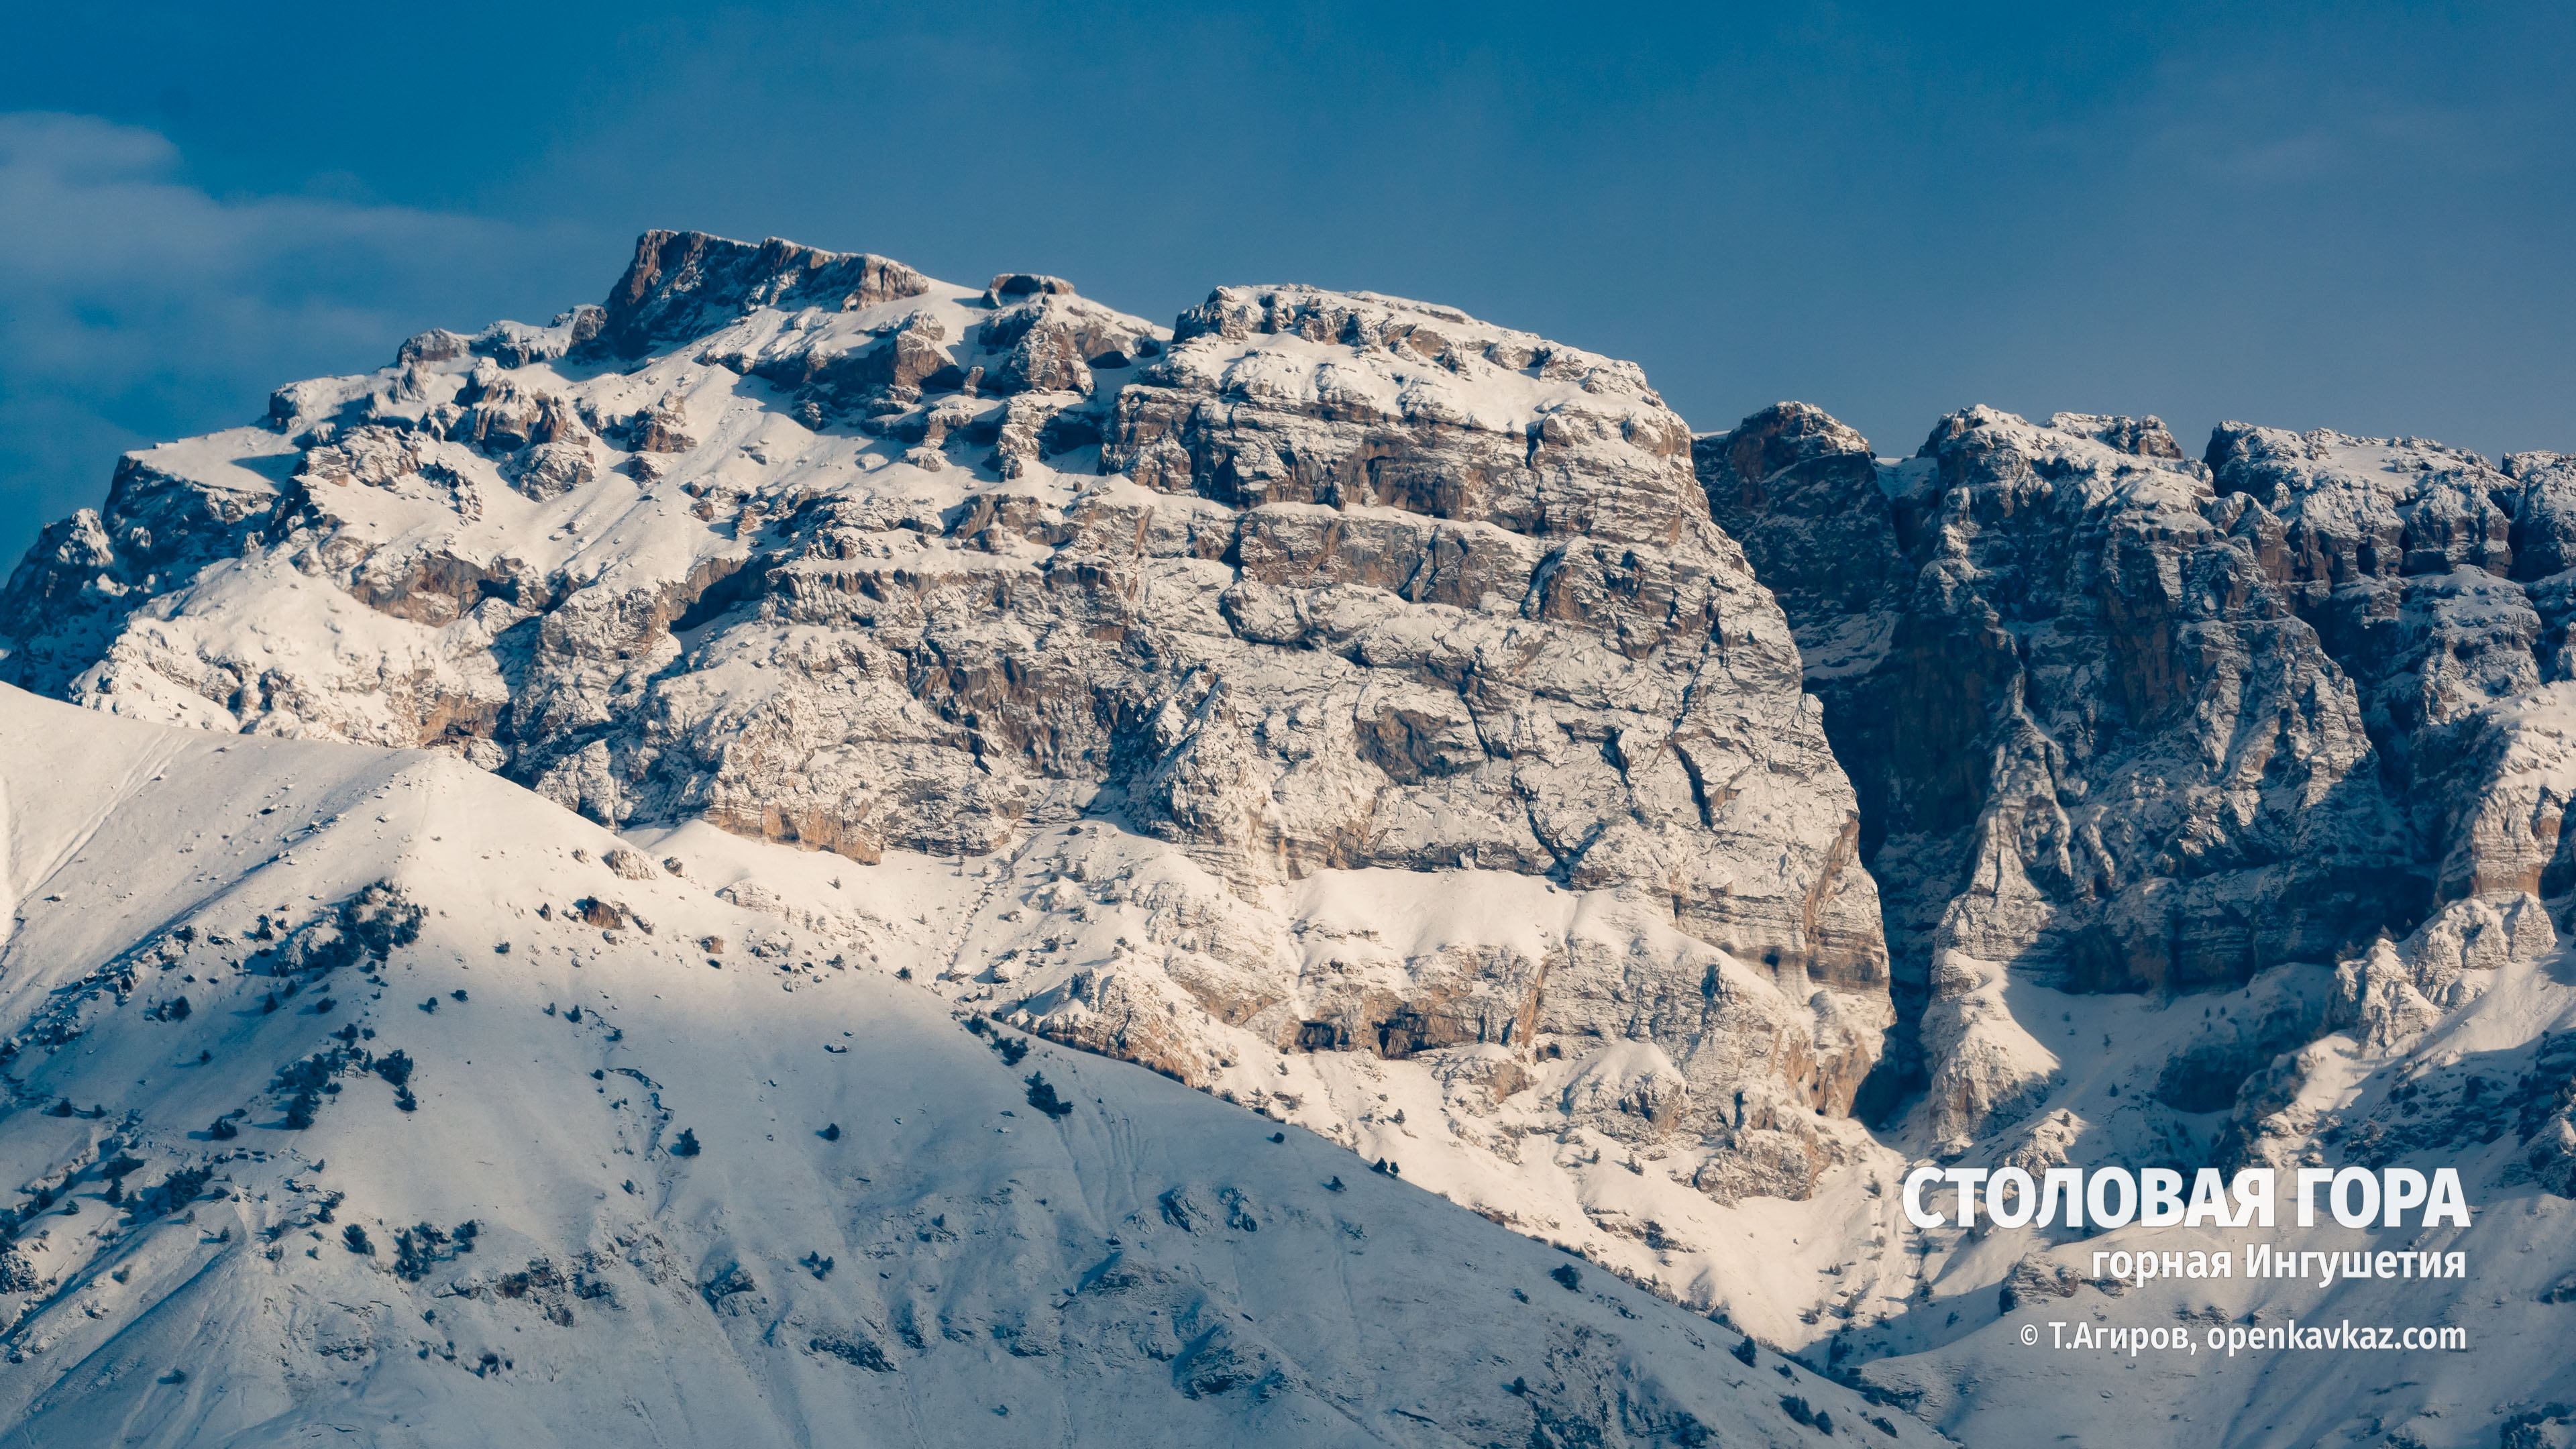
(879, 369)
(665, 429)
(1352, 708)
(436, 345)
(1508, 996)
(551, 470)
(2033, 1282)
(2396, 990)
(1628, 1089)
(631, 864)
(2011, 703)
(684, 285)
(511, 344)
(2378, 1000)
(1481, 1077)
(170, 511)
(2398, 552)
(1782, 1160)
(501, 415)
(1009, 287)
(2503, 785)
(1312, 589)
(1048, 342)
(2479, 935)
(2123, 721)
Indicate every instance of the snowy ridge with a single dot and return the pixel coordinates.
(1311, 587)
(1395, 726)
(878, 1227)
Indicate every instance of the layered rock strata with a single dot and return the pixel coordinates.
(820, 550)
(2121, 720)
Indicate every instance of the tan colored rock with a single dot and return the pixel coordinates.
(1353, 590)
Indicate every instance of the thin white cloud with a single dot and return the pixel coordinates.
(135, 306)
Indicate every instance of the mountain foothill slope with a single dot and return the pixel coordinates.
(361, 1092)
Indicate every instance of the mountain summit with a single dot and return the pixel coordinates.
(1397, 726)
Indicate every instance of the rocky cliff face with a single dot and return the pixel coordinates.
(2124, 721)
(1403, 727)
(2216, 807)
(1309, 585)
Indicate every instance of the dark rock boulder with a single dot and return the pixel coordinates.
(687, 284)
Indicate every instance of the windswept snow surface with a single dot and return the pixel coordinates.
(882, 1237)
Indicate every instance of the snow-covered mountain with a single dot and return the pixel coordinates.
(2216, 809)
(1425, 715)
(358, 1092)
(1391, 724)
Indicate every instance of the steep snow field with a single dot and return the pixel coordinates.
(882, 1235)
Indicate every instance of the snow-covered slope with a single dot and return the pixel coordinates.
(1390, 724)
(2481, 1088)
(881, 1234)
(1322, 610)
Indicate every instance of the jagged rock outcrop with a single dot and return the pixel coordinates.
(684, 285)
(1318, 584)
(1404, 729)
(2399, 552)
(823, 551)
(2395, 991)
(2120, 720)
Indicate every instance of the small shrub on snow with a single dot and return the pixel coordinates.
(1042, 1096)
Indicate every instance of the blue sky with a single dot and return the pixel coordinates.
(2353, 216)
